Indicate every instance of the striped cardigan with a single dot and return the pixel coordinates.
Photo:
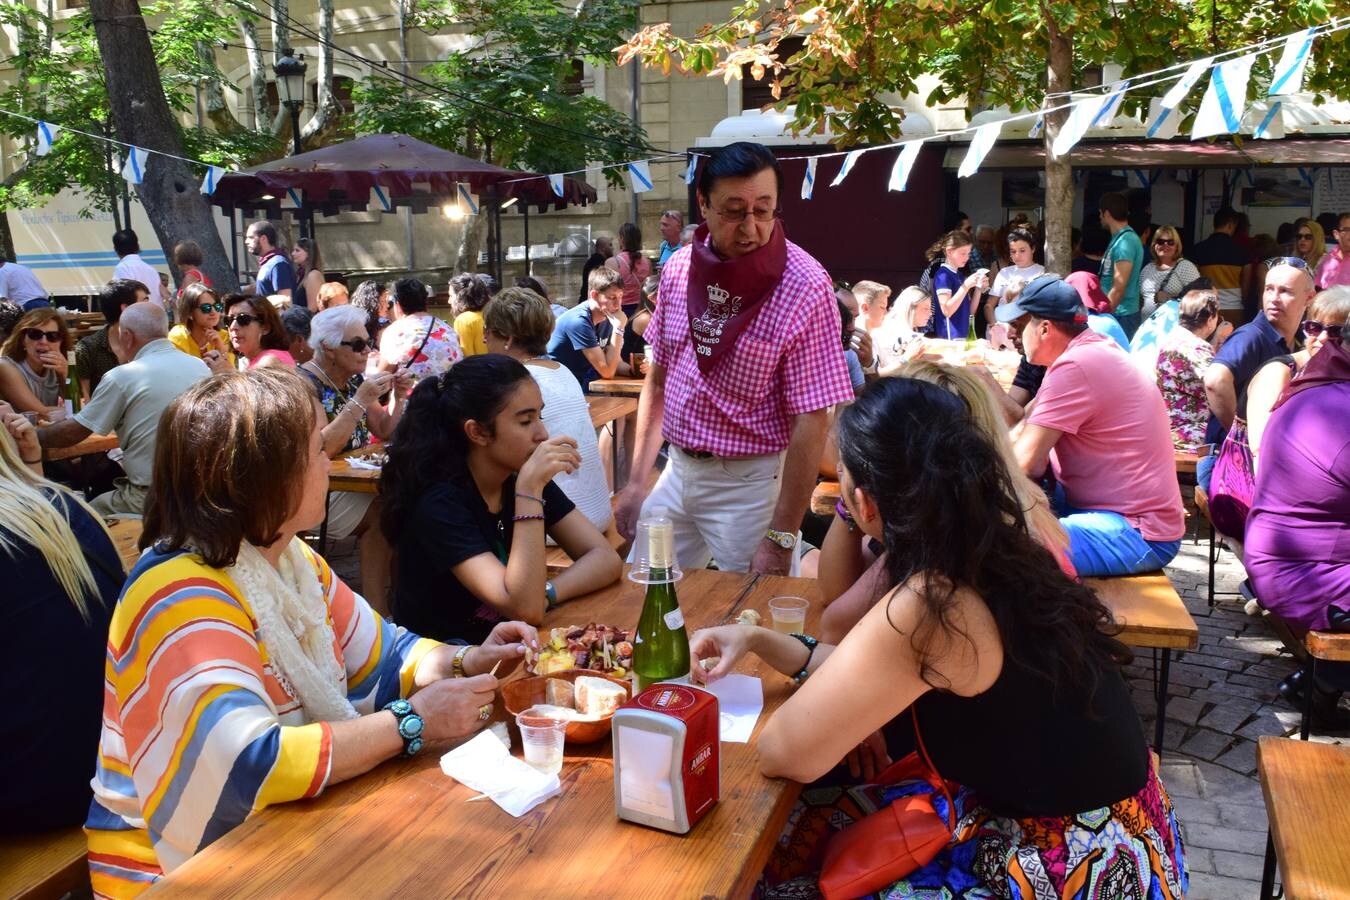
(198, 732)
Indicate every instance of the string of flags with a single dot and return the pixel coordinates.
(1222, 110)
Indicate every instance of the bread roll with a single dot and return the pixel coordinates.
(598, 697)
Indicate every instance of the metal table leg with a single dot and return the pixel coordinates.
(1163, 674)
(1268, 869)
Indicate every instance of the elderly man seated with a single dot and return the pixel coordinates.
(1102, 426)
(129, 401)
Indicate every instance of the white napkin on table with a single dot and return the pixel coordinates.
(740, 700)
(357, 462)
(485, 765)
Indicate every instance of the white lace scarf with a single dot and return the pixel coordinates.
(293, 626)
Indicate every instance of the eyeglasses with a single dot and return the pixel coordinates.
(37, 334)
(244, 320)
(1305, 236)
(206, 308)
(1294, 261)
(1313, 328)
(1164, 242)
(358, 345)
(737, 216)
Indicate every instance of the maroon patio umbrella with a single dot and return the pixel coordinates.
(342, 176)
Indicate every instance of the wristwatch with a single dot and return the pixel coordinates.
(873, 368)
(785, 539)
(410, 725)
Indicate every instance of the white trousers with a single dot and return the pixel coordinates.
(720, 507)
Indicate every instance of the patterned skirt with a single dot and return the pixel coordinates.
(1131, 850)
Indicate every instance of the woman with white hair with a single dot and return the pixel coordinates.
(351, 401)
(897, 339)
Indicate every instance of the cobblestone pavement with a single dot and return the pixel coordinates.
(1222, 698)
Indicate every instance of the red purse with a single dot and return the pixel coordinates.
(892, 842)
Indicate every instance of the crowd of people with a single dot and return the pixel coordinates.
(233, 663)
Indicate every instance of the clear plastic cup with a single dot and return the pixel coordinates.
(789, 614)
(543, 738)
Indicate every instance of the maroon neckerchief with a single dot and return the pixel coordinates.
(724, 295)
(262, 260)
(1331, 365)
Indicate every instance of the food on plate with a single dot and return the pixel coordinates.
(603, 648)
(710, 663)
(598, 697)
(558, 692)
(749, 617)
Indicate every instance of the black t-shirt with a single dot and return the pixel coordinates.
(1029, 377)
(51, 662)
(449, 525)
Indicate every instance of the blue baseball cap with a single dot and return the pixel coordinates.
(1045, 297)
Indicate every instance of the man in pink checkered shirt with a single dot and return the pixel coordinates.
(746, 361)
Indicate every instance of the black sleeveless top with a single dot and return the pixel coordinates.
(1027, 751)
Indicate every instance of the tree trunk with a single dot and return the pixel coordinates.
(326, 109)
(257, 75)
(1058, 172)
(217, 110)
(281, 33)
(177, 209)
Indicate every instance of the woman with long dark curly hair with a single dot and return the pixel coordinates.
(1005, 666)
(468, 495)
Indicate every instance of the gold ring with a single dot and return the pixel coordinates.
(485, 712)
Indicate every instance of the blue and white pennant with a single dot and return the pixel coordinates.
(133, 169)
(1221, 109)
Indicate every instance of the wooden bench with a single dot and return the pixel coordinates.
(1305, 786)
(824, 497)
(1330, 646)
(1150, 615)
(40, 866)
(1186, 461)
(557, 559)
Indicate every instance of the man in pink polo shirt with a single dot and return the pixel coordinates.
(1334, 268)
(1101, 425)
(745, 363)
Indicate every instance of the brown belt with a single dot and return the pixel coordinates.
(697, 454)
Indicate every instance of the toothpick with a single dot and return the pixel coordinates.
(493, 673)
(479, 797)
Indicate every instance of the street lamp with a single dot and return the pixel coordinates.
(291, 89)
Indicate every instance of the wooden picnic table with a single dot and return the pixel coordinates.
(126, 534)
(620, 387)
(405, 828)
(606, 409)
(343, 476)
(94, 443)
(1305, 785)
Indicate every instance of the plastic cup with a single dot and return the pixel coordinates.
(789, 614)
(543, 738)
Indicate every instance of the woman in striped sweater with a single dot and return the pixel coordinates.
(241, 672)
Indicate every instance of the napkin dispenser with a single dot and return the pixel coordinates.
(667, 757)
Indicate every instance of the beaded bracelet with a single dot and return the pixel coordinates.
(810, 644)
(539, 500)
(538, 516)
(844, 514)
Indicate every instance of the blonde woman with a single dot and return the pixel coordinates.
(332, 293)
(55, 629)
(1310, 242)
(1166, 275)
(33, 361)
(198, 331)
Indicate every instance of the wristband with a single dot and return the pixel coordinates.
(352, 401)
(30, 462)
(810, 644)
(550, 596)
(410, 725)
(457, 664)
(843, 512)
(539, 500)
(539, 516)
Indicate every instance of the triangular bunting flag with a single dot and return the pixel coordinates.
(979, 148)
(1221, 109)
(467, 200)
(133, 169)
(1288, 77)
(692, 171)
(1110, 106)
(904, 164)
(640, 174)
(1163, 124)
(809, 181)
(382, 197)
(213, 175)
(1073, 129)
(1269, 127)
(46, 134)
(556, 182)
(849, 160)
(296, 198)
(1036, 129)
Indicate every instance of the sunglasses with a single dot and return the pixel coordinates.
(244, 320)
(1304, 236)
(1313, 328)
(206, 308)
(358, 345)
(37, 334)
(1294, 261)
(1164, 242)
